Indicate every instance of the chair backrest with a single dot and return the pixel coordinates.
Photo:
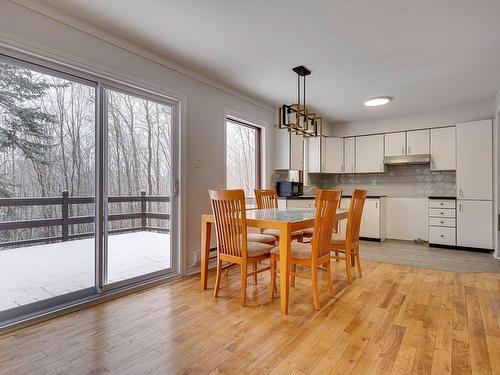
(228, 207)
(266, 198)
(327, 202)
(336, 222)
(354, 218)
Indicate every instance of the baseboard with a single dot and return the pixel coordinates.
(370, 239)
(454, 247)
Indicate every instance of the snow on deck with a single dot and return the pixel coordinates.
(34, 273)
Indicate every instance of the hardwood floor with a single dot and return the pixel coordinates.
(395, 320)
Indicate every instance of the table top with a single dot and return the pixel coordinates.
(284, 214)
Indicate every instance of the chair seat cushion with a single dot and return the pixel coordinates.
(298, 250)
(308, 231)
(276, 233)
(255, 249)
(338, 239)
(262, 238)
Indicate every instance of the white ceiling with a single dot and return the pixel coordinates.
(428, 54)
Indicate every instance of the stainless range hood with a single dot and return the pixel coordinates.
(407, 159)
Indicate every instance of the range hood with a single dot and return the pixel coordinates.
(407, 159)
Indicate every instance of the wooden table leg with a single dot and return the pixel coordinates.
(206, 232)
(285, 241)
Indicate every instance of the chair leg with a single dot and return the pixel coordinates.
(337, 255)
(353, 260)
(358, 264)
(272, 285)
(314, 286)
(243, 283)
(227, 271)
(255, 276)
(330, 281)
(217, 277)
(348, 268)
(292, 277)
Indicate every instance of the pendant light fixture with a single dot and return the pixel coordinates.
(297, 117)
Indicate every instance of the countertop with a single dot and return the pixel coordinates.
(313, 197)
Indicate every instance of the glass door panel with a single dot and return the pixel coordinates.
(47, 178)
(139, 186)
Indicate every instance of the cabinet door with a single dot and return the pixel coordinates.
(349, 155)
(333, 161)
(395, 144)
(296, 151)
(370, 154)
(443, 149)
(282, 148)
(417, 142)
(475, 160)
(370, 220)
(314, 155)
(475, 224)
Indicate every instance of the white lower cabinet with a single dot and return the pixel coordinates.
(442, 235)
(475, 224)
(373, 220)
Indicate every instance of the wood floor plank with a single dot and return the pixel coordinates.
(394, 320)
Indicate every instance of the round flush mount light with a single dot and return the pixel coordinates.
(378, 100)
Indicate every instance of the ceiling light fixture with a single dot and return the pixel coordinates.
(297, 117)
(378, 100)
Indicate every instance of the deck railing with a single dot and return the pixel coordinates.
(65, 201)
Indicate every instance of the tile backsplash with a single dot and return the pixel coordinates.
(403, 181)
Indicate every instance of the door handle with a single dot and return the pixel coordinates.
(460, 208)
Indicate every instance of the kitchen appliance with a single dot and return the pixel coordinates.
(290, 188)
(407, 159)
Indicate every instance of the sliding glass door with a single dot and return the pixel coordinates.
(47, 180)
(87, 197)
(139, 186)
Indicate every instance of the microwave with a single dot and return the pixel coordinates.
(290, 188)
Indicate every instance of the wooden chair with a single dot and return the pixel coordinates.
(349, 246)
(268, 198)
(316, 253)
(228, 207)
(308, 232)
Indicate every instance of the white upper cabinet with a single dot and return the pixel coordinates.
(417, 142)
(333, 161)
(443, 149)
(349, 155)
(289, 151)
(395, 144)
(325, 155)
(370, 154)
(475, 160)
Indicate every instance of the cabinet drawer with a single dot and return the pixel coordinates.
(445, 212)
(441, 203)
(442, 236)
(442, 222)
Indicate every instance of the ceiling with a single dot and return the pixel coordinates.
(429, 55)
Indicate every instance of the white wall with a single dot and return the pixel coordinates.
(205, 105)
(469, 112)
(496, 166)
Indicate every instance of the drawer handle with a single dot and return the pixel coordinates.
(442, 222)
(442, 235)
(442, 213)
(442, 204)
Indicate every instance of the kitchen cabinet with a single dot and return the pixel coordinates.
(349, 155)
(475, 160)
(370, 154)
(289, 152)
(395, 144)
(302, 202)
(373, 220)
(443, 149)
(475, 224)
(325, 155)
(442, 222)
(417, 142)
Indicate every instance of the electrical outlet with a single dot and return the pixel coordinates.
(198, 163)
(195, 257)
(374, 182)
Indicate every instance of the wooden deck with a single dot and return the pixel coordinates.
(395, 320)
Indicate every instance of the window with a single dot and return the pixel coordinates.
(87, 202)
(242, 156)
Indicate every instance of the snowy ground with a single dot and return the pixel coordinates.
(35, 273)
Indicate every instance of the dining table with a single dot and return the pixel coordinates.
(285, 220)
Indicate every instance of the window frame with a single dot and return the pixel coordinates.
(258, 148)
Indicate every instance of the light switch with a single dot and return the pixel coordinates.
(198, 163)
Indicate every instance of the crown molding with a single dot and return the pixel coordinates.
(48, 10)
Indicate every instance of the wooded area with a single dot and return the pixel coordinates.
(47, 146)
